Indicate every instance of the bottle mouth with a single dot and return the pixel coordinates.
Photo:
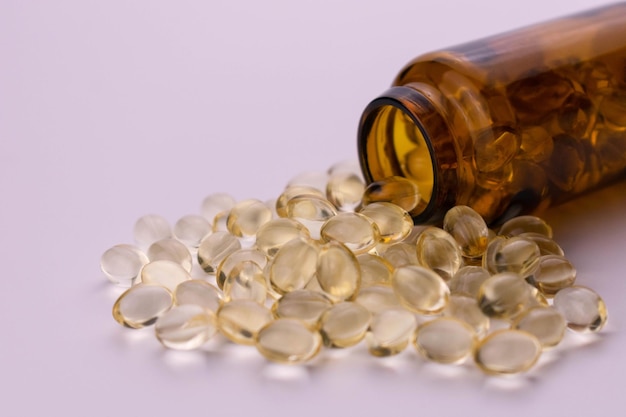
(393, 142)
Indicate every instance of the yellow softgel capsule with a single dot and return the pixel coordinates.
(305, 305)
(505, 295)
(420, 290)
(151, 228)
(215, 204)
(235, 258)
(517, 254)
(584, 310)
(374, 270)
(198, 292)
(185, 327)
(469, 230)
(399, 254)
(241, 320)
(293, 266)
(358, 232)
(214, 248)
(438, 251)
(377, 298)
(338, 272)
(344, 324)
(394, 223)
(390, 331)
(311, 211)
(292, 191)
(545, 323)
(546, 245)
(166, 273)
(171, 250)
(507, 352)
(445, 340)
(122, 264)
(274, 234)
(552, 274)
(525, 224)
(247, 216)
(344, 190)
(468, 280)
(288, 341)
(246, 281)
(141, 305)
(396, 190)
(467, 310)
(191, 229)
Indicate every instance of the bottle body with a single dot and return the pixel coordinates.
(509, 124)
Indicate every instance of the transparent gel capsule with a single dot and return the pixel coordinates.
(552, 274)
(293, 191)
(344, 324)
(525, 224)
(494, 147)
(378, 298)
(214, 248)
(374, 270)
(354, 230)
(171, 250)
(216, 203)
(545, 323)
(536, 144)
(517, 254)
(307, 306)
(466, 309)
(507, 352)
(311, 211)
(235, 258)
(394, 223)
(338, 272)
(396, 190)
(247, 216)
(241, 320)
(293, 266)
(185, 327)
(437, 250)
(274, 234)
(150, 228)
(220, 222)
(350, 166)
(199, 293)
(567, 162)
(546, 245)
(469, 230)
(583, 309)
(246, 281)
(390, 331)
(288, 341)
(191, 229)
(314, 179)
(468, 280)
(420, 289)
(344, 190)
(141, 305)
(445, 340)
(122, 264)
(166, 273)
(399, 254)
(505, 295)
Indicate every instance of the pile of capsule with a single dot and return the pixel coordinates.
(333, 262)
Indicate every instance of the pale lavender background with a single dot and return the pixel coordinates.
(113, 109)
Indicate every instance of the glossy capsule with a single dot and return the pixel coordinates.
(246, 281)
(552, 274)
(544, 322)
(338, 272)
(420, 289)
(171, 250)
(344, 324)
(396, 190)
(122, 264)
(305, 305)
(191, 229)
(467, 280)
(507, 352)
(584, 310)
(505, 295)
(241, 320)
(166, 273)
(198, 292)
(445, 340)
(215, 248)
(438, 251)
(393, 222)
(390, 331)
(247, 216)
(469, 230)
(293, 266)
(288, 341)
(185, 327)
(377, 298)
(235, 258)
(344, 190)
(151, 228)
(141, 305)
(272, 235)
(374, 270)
(356, 231)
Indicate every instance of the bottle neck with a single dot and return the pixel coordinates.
(403, 133)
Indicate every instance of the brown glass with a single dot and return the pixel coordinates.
(509, 124)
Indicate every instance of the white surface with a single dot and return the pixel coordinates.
(111, 110)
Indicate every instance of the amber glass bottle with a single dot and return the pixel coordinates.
(508, 124)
